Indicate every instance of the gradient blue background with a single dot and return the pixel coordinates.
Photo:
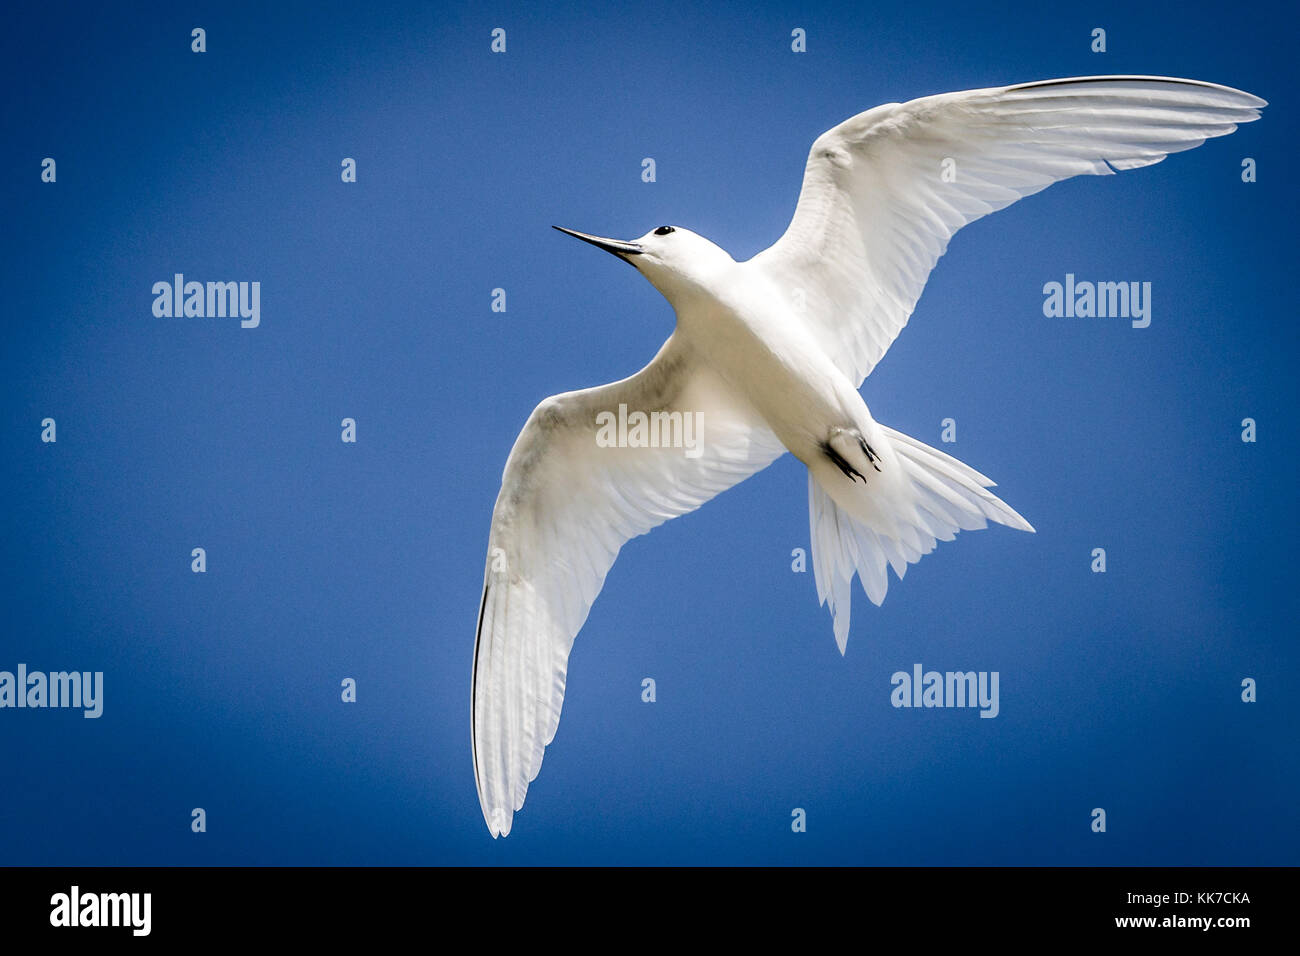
(328, 560)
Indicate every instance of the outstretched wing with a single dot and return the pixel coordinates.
(568, 502)
(883, 192)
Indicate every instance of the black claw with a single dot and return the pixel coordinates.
(870, 452)
(838, 461)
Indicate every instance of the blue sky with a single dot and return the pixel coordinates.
(328, 560)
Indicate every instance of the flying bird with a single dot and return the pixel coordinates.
(767, 357)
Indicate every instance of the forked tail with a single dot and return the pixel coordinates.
(892, 519)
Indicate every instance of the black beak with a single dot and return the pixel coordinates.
(616, 246)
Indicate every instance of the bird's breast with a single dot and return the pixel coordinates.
(772, 361)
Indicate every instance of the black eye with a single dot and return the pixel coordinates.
(663, 230)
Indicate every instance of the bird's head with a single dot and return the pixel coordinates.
(678, 262)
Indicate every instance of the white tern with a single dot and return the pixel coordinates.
(767, 356)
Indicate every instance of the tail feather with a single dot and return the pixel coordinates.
(939, 496)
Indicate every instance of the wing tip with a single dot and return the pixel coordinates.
(1250, 100)
(498, 821)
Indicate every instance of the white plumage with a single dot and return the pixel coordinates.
(770, 353)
